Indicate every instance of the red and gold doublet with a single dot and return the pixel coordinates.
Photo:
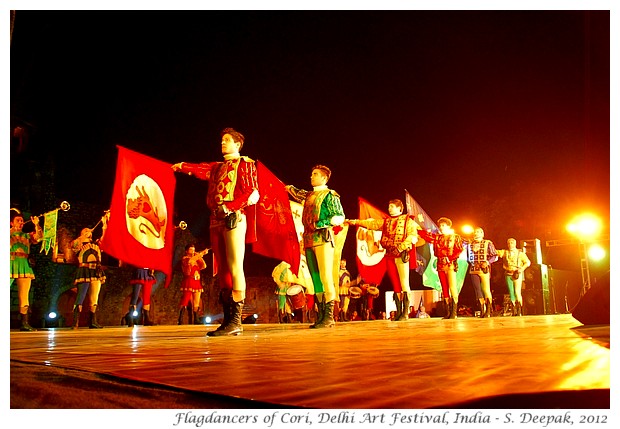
(191, 267)
(446, 247)
(231, 182)
(397, 233)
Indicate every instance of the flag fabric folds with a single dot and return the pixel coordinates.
(140, 230)
(275, 229)
(427, 265)
(424, 251)
(370, 255)
(49, 231)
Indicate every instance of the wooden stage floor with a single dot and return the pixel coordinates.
(550, 361)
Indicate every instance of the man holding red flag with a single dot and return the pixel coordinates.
(231, 198)
(398, 237)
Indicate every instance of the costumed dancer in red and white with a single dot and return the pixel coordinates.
(447, 247)
(21, 271)
(231, 197)
(398, 236)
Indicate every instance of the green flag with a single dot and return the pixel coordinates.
(49, 231)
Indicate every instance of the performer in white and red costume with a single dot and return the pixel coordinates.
(231, 196)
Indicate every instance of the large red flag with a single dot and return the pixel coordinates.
(140, 231)
(370, 255)
(275, 229)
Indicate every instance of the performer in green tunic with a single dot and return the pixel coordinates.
(21, 271)
(322, 218)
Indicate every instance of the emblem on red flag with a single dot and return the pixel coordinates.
(139, 231)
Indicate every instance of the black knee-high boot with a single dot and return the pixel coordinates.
(76, 317)
(519, 309)
(147, 319)
(453, 309)
(320, 305)
(233, 327)
(225, 299)
(448, 302)
(181, 316)
(129, 316)
(190, 315)
(487, 310)
(399, 306)
(328, 316)
(92, 321)
(25, 326)
(405, 306)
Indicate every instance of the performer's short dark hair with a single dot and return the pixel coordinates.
(189, 245)
(236, 135)
(444, 220)
(325, 170)
(397, 203)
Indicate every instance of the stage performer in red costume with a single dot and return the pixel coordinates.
(322, 212)
(447, 247)
(231, 196)
(191, 286)
(398, 236)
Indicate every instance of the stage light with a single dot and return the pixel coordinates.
(596, 252)
(467, 229)
(250, 319)
(51, 320)
(585, 226)
(135, 313)
(207, 320)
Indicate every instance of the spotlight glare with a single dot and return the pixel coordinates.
(585, 226)
(135, 313)
(596, 252)
(52, 315)
(467, 229)
(207, 319)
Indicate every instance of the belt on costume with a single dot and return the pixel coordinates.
(91, 265)
(19, 254)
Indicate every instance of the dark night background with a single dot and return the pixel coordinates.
(494, 118)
